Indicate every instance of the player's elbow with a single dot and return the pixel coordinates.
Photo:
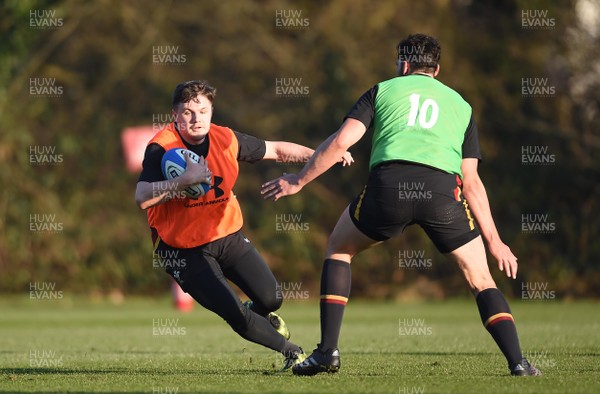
(142, 204)
(351, 131)
(342, 141)
(472, 187)
(337, 143)
(140, 200)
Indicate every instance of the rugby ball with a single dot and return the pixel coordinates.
(173, 165)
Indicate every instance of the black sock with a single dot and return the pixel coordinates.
(498, 320)
(335, 290)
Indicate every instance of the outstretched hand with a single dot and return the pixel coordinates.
(507, 261)
(285, 185)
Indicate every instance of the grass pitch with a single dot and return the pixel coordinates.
(144, 346)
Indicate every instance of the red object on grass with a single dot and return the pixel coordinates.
(134, 141)
(183, 301)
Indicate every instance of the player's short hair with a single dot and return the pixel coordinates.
(189, 90)
(421, 51)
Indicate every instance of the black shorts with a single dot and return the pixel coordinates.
(204, 271)
(399, 194)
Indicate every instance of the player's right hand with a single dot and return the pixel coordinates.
(507, 261)
(196, 172)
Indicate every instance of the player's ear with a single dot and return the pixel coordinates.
(437, 70)
(405, 68)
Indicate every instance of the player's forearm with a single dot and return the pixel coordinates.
(286, 152)
(149, 194)
(476, 196)
(324, 157)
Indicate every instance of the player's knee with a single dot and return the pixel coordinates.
(241, 322)
(480, 283)
(239, 327)
(270, 304)
(339, 250)
(274, 303)
(331, 247)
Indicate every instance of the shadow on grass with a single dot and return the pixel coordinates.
(420, 353)
(120, 391)
(74, 392)
(430, 353)
(130, 371)
(62, 371)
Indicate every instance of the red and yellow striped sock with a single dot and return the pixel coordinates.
(335, 290)
(498, 320)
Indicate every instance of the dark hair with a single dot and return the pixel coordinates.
(189, 90)
(421, 51)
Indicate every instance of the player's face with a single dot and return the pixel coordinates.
(193, 119)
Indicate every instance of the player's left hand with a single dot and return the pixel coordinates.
(347, 159)
(285, 185)
(507, 261)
